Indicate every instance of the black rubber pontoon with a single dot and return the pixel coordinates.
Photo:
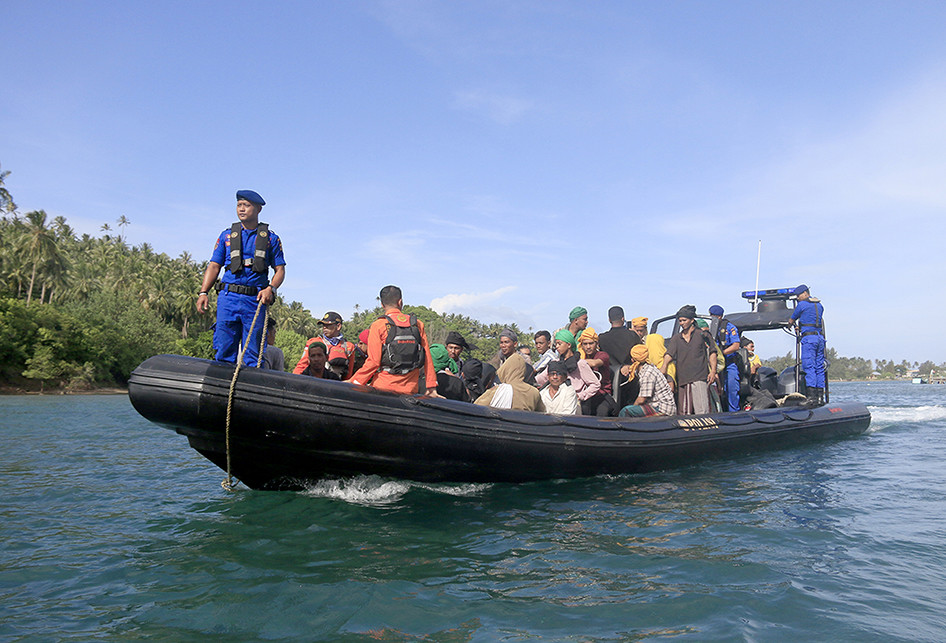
(288, 430)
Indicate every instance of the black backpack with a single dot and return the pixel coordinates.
(402, 351)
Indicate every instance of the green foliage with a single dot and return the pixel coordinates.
(291, 344)
(196, 345)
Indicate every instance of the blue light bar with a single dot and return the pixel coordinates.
(771, 293)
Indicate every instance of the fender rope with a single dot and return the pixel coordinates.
(228, 484)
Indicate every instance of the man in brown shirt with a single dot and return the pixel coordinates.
(696, 365)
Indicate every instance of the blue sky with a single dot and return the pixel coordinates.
(510, 160)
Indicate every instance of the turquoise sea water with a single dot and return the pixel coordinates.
(114, 529)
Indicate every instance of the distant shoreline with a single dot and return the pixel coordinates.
(105, 390)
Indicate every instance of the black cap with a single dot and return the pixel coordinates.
(453, 337)
(331, 317)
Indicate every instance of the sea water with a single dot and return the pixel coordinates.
(113, 529)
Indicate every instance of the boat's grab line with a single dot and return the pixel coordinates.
(228, 484)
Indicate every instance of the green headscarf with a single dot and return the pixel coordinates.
(577, 312)
(565, 335)
(442, 359)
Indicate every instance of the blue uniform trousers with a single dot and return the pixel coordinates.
(234, 316)
(732, 386)
(812, 360)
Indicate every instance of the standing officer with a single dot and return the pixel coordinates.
(248, 249)
(809, 321)
(727, 337)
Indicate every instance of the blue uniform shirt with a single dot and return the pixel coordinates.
(729, 337)
(247, 277)
(809, 316)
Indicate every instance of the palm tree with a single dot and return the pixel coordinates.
(123, 223)
(39, 245)
(6, 201)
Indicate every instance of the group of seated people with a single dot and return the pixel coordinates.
(570, 374)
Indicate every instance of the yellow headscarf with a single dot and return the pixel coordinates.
(639, 355)
(588, 333)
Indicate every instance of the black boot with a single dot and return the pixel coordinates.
(815, 397)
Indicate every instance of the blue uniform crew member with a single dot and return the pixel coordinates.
(728, 340)
(245, 281)
(809, 320)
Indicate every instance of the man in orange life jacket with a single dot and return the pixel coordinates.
(397, 349)
(253, 251)
(341, 353)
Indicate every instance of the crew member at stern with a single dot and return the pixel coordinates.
(248, 249)
(809, 319)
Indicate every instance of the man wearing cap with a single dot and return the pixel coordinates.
(508, 346)
(577, 320)
(559, 396)
(695, 371)
(249, 250)
(727, 338)
(583, 380)
(341, 353)
(808, 318)
(455, 345)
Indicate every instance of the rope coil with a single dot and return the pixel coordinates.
(228, 484)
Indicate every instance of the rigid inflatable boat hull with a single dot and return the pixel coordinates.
(287, 431)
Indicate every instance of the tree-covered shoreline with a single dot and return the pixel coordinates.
(79, 313)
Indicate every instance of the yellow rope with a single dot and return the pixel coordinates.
(228, 484)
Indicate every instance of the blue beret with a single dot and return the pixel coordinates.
(716, 310)
(251, 196)
(802, 288)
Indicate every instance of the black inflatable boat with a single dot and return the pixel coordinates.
(287, 431)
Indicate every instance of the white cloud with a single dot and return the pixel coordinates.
(504, 110)
(456, 301)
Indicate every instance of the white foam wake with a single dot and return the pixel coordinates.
(884, 416)
(373, 490)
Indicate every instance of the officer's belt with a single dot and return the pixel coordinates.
(810, 332)
(241, 290)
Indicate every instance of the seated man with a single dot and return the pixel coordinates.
(456, 344)
(513, 392)
(754, 362)
(655, 396)
(601, 405)
(318, 357)
(545, 350)
(273, 357)
(508, 343)
(478, 377)
(449, 384)
(559, 396)
(341, 353)
(583, 380)
(577, 321)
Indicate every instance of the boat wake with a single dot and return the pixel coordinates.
(885, 416)
(377, 491)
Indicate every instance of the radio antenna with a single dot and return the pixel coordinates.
(755, 304)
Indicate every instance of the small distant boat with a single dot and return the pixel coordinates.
(919, 380)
